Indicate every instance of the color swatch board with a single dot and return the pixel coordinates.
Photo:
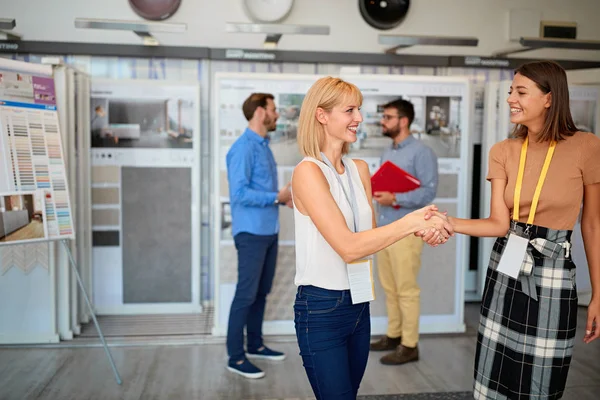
(34, 197)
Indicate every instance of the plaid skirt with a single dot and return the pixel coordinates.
(527, 325)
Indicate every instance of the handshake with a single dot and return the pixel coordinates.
(431, 225)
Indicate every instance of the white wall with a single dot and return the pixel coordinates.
(589, 77)
(584, 76)
(485, 19)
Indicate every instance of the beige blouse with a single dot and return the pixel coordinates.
(576, 163)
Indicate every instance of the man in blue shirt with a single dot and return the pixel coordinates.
(254, 198)
(399, 264)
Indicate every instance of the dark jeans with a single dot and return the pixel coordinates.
(257, 256)
(333, 336)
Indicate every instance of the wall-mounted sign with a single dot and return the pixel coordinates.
(487, 62)
(249, 55)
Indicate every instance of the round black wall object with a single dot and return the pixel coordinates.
(155, 10)
(383, 14)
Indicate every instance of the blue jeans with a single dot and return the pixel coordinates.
(257, 257)
(333, 336)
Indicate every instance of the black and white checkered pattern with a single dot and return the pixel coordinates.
(525, 339)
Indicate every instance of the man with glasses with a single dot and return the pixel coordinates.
(398, 265)
(255, 198)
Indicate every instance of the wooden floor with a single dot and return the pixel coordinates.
(198, 371)
(33, 230)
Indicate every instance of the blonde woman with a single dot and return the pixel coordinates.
(335, 232)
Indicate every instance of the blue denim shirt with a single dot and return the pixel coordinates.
(252, 175)
(420, 161)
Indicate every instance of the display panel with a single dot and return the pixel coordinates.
(145, 171)
(34, 197)
(443, 107)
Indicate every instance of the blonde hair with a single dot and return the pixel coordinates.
(326, 93)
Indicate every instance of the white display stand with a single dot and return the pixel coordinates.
(28, 271)
(35, 205)
(72, 93)
(132, 145)
(444, 121)
(453, 102)
(497, 127)
(229, 92)
(471, 274)
(39, 275)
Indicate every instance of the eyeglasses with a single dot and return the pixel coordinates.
(387, 117)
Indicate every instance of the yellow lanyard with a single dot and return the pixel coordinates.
(538, 188)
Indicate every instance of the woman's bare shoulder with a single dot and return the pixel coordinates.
(307, 170)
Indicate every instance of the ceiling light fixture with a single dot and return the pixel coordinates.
(535, 43)
(275, 31)
(143, 29)
(402, 41)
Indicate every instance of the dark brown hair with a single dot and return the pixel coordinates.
(550, 77)
(254, 101)
(404, 107)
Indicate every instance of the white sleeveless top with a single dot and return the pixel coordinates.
(317, 263)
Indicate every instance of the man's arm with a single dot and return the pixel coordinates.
(426, 171)
(240, 163)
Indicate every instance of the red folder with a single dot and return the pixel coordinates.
(391, 178)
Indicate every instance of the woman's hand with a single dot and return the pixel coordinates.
(592, 329)
(432, 236)
(432, 226)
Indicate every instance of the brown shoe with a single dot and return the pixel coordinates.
(402, 355)
(386, 343)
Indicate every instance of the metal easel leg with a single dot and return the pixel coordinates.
(89, 304)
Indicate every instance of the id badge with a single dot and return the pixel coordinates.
(513, 255)
(360, 277)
